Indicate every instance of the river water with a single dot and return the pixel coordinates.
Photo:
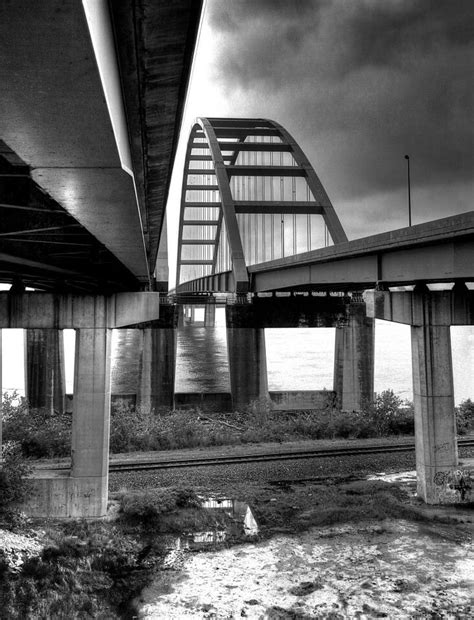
(297, 359)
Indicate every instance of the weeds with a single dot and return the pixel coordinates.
(39, 432)
(14, 483)
(42, 434)
(91, 570)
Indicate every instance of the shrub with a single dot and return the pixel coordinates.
(146, 507)
(465, 417)
(96, 575)
(40, 432)
(388, 415)
(132, 428)
(14, 483)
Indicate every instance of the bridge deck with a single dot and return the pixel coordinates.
(437, 251)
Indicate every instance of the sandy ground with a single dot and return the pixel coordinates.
(394, 569)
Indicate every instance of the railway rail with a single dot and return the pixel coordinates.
(280, 455)
(274, 456)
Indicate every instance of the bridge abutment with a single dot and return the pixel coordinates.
(354, 359)
(430, 315)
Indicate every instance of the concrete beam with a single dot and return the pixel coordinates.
(455, 307)
(57, 311)
(442, 250)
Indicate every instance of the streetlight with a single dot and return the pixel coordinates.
(409, 190)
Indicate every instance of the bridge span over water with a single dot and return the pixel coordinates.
(85, 164)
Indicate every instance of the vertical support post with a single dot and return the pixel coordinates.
(433, 392)
(45, 374)
(157, 367)
(354, 360)
(90, 424)
(210, 315)
(181, 315)
(247, 356)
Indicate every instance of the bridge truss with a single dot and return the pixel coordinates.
(249, 195)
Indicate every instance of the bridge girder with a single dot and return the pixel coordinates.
(59, 120)
(441, 251)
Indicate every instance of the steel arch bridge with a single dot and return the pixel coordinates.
(249, 195)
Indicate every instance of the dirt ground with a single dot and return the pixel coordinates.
(394, 569)
(421, 566)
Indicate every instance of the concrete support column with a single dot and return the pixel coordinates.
(435, 421)
(354, 360)
(90, 426)
(181, 315)
(157, 366)
(45, 374)
(247, 357)
(210, 315)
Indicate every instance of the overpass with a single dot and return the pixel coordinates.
(91, 101)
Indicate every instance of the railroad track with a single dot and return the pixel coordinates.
(267, 457)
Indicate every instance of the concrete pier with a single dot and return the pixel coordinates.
(44, 369)
(210, 315)
(354, 359)
(430, 314)
(247, 356)
(83, 491)
(435, 421)
(157, 366)
(90, 424)
(247, 365)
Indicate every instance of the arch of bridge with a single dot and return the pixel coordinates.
(218, 155)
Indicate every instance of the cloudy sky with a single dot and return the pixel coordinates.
(359, 84)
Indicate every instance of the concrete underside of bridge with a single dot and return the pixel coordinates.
(71, 217)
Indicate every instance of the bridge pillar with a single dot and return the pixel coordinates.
(157, 365)
(181, 313)
(247, 357)
(88, 487)
(430, 314)
(210, 315)
(354, 360)
(45, 374)
(433, 394)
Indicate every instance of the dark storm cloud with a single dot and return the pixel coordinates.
(359, 83)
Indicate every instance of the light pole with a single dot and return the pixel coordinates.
(409, 190)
